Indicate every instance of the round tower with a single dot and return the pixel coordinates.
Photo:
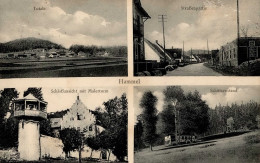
(30, 111)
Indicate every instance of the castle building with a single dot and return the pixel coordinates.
(29, 111)
(78, 117)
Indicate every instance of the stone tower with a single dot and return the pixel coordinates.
(30, 111)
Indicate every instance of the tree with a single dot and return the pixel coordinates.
(167, 116)
(149, 117)
(45, 127)
(72, 140)
(244, 116)
(8, 126)
(138, 132)
(192, 112)
(6, 98)
(199, 110)
(171, 93)
(36, 92)
(93, 143)
(113, 118)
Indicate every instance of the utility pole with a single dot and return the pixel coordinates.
(238, 32)
(208, 50)
(163, 18)
(182, 52)
(190, 55)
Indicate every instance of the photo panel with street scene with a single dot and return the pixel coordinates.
(63, 38)
(196, 38)
(196, 124)
(56, 124)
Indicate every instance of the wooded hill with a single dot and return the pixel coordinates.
(27, 44)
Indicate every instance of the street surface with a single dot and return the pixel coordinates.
(235, 149)
(193, 70)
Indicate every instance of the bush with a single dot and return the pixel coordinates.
(253, 139)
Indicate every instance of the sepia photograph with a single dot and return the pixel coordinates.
(63, 38)
(63, 124)
(197, 124)
(196, 37)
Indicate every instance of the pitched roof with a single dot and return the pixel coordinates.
(30, 96)
(141, 9)
(160, 48)
(156, 49)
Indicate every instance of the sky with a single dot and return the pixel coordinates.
(216, 22)
(63, 101)
(66, 22)
(244, 94)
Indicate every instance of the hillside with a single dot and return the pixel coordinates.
(27, 44)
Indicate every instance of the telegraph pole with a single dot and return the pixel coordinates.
(208, 50)
(238, 33)
(190, 55)
(182, 52)
(163, 18)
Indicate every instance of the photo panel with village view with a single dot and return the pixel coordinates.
(196, 38)
(63, 38)
(57, 124)
(196, 124)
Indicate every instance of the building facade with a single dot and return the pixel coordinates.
(139, 17)
(230, 55)
(82, 119)
(78, 117)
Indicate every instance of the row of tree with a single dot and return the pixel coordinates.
(114, 51)
(244, 116)
(191, 115)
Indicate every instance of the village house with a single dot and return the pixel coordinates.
(83, 54)
(139, 17)
(230, 55)
(175, 53)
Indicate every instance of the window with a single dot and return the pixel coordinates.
(90, 128)
(79, 117)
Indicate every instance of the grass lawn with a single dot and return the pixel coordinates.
(238, 149)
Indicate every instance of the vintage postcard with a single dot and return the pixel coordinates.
(60, 38)
(196, 38)
(76, 81)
